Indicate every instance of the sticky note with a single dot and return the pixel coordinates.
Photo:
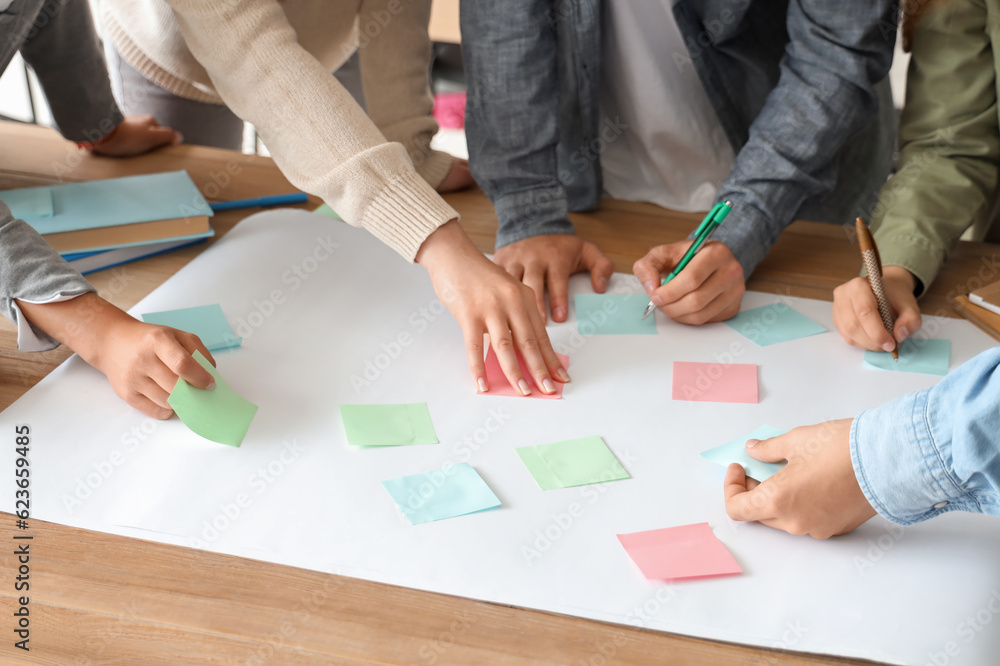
(687, 551)
(453, 490)
(736, 452)
(326, 211)
(499, 385)
(715, 382)
(205, 321)
(771, 324)
(574, 462)
(388, 425)
(929, 357)
(221, 415)
(613, 314)
(32, 203)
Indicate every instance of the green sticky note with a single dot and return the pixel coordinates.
(32, 203)
(388, 425)
(774, 323)
(929, 357)
(574, 462)
(453, 490)
(326, 211)
(613, 314)
(205, 321)
(736, 452)
(221, 415)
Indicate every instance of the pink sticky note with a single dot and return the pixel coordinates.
(500, 386)
(715, 382)
(688, 551)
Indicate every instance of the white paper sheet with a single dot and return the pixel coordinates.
(330, 316)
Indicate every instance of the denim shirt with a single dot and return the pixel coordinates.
(935, 450)
(800, 87)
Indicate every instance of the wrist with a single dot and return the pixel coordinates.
(901, 276)
(446, 241)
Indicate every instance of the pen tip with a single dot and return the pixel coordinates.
(649, 308)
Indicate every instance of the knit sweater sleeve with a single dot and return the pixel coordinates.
(319, 137)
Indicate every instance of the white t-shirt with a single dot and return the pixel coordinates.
(673, 151)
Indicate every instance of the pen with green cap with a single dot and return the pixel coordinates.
(701, 235)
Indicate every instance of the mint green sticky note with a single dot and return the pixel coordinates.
(326, 211)
(574, 462)
(613, 314)
(453, 490)
(929, 357)
(736, 452)
(221, 415)
(771, 324)
(388, 425)
(32, 203)
(205, 321)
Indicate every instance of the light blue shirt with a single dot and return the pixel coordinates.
(934, 450)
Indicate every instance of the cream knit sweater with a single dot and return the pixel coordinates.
(271, 63)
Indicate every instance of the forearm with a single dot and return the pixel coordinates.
(935, 450)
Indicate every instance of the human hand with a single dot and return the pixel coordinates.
(710, 288)
(141, 361)
(485, 299)
(816, 493)
(856, 316)
(459, 177)
(548, 261)
(134, 136)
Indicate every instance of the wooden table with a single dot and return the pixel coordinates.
(98, 598)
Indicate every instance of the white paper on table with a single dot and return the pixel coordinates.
(313, 316)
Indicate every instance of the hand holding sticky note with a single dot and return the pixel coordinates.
(221, 415)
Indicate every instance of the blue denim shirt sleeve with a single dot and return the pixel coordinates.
(825, 94)
(935, 450)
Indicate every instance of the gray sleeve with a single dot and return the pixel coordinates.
(30, 270)
(63, 49)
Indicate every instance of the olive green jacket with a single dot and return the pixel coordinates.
(949, 140)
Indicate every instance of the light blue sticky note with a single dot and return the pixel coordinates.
(771, 324)
(205, 321)
(33, 203)
(117, 201)
(929, 357)
(613, 314)
(454, 490)
(736, 452)
(326, 211)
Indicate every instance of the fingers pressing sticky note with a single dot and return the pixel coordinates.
(453, 490)
(574, 462)
(687, 551)
(221, 415)
(388, 425)
(613, 314)
(715, 382)
(736, 452)
(499, 385)
(205, 321)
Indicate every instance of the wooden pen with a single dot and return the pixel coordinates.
(873, 266)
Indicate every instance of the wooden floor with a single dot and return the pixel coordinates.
(103, 599)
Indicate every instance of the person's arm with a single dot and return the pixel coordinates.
(913, 458)
(949, 151)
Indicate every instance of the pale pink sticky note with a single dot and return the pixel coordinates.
(715, 382)
(500, 386)
(688, 551)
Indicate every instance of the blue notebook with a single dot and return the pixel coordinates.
(53, 209)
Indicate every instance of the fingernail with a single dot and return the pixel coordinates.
(650, 287)
(889, 346)
(657, 301)
(210, 387)
(904, 333)
(752, 443)
(602, 282)
(548, 386)
(562, 375)
(525, 389)
(178, 138)
(483, 386)
(559, 313)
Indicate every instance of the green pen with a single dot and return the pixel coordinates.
(701, 234)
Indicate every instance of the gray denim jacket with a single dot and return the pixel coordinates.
(799, 86)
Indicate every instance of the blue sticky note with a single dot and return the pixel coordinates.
(736, 452)
(454, 490)
(32, 203)
(117, 201)
(771, 324)
(205, 321)
(613, 314)
(929, 357)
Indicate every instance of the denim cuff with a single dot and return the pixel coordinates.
(536, 212)
(745, 232)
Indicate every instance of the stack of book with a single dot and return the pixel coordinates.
(104, 223)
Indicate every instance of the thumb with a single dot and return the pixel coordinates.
(160, 136)
(650, 269)
(600, 266)
(767, 450)
(908, 321)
